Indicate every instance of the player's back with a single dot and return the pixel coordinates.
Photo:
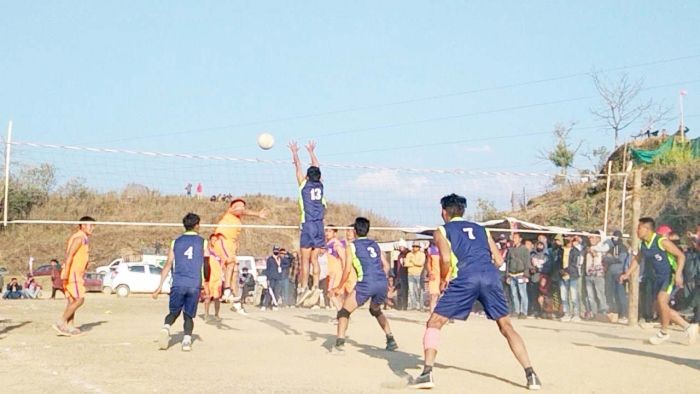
(367, 260)
(470, 247)
(312, 201)
(188, 250)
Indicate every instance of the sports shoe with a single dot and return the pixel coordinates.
(238, 308)
(623, 321)
(61, 330)
(424, 381)
(533, 382)
(659, 338)
(164, 338)
(339, 346)
(306, 294)
(187, 343)
(565, 318)
(391, 344)
(263, 309)
(692, 332)
(576, 319)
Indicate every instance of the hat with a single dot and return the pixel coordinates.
(416, 244)
(275, 248)
(502, 238)
(559, 237)
(617, 233)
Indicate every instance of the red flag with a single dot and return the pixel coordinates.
(684, 92)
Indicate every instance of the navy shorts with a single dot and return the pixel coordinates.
(663, 283)
(184, 299)
(459, 297)
(376, 291)
(312, 235)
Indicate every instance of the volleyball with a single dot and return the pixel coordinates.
(266, 141)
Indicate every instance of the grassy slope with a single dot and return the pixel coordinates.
(44, 241)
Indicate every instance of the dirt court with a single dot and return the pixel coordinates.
(288, 351)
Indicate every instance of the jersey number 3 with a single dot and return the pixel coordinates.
(470, 232)
(316, 194)
(372, 252)
(189, 253)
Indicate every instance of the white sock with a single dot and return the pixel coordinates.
(187, 338)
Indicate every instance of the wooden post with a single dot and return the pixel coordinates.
(607, 198)
(634, 248)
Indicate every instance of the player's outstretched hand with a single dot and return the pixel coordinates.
(293, 146)
(311, 146)
(264, 213)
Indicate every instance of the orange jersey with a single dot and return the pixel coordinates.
(230, 233)
(81, 256)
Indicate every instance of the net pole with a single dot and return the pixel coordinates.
(8, 147)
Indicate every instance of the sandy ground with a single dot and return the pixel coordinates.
(288, 351)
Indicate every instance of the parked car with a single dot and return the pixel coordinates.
(42, 270)
(137, 278)
(146, 259)
(93, 281)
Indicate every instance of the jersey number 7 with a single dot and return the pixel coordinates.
(470, 232)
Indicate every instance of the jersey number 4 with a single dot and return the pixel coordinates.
(189, 253)
(470, 232)
(316, 194)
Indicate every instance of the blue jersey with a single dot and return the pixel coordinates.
(470, 247)
(367, 260)
(664, 263)
(312, 201)
(188, 250)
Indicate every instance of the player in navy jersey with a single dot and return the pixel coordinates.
(467, 254)
(312, 203)
(187, 259)
(668, 262)
(364, 256)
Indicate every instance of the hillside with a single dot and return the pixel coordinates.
(44, 242)
(670, 193)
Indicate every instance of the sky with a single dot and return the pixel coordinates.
(474, 86)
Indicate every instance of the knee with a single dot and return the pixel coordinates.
(343, 313)
(376, 312)
(506, 329)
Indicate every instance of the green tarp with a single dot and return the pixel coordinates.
(642, 156)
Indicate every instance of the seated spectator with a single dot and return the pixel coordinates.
(246, 283)
(13, 291)
(32, 290)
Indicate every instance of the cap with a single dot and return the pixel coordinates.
(416, 244)
(502, 238)
(559, 237)
(275, 248)
(617, 233)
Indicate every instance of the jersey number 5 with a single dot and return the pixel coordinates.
(316, 194)
(189, 253)
(470, 232)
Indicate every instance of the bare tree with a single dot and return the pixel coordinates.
(562, 154)
(619, 107)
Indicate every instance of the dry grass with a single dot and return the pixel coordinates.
(44, 242)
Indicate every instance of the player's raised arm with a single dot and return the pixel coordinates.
(311, 148)
(297, 163)
(243, 211)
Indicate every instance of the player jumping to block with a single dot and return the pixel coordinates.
(313, 208)
(77, 257)
(668, 263)
(364, 256)
(467, 253)
(187, 259)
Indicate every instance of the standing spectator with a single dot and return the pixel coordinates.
(56, 282)
(285, 279)
(188, 189)
(200, 191)
(273, 272)
(555, 256)
(693, 283)
(401, 277)
(414, 262)
(32, 290)
(570, 275)
(539, 274)
(615, 261)
(595, 277)
(518, 276)
(13, 290)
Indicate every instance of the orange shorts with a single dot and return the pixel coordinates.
(75, 288)
(351, 282)
(335, 273)
(215, 290)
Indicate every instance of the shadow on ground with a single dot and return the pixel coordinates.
(688, 362)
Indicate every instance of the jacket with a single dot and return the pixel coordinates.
(273, 271)
(518, 260)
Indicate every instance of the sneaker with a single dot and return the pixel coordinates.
(315, 307)
(164, 338)
(238, 308)
(187, 344)
(659, 338)
(61, 330)
(623, 321)
(263, 309)
(692, 332)
(391, 344)
(565, 318)
(306, 294)
(424, 381)
(576, 319)
(339, 346)
(533, 382)
(522, 316)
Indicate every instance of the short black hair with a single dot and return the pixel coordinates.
(314, 174)
(361, 226)
(332, 227)
(190, 221)
(53, 261)
(454, 205)
(647, 220)
(86, 219)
